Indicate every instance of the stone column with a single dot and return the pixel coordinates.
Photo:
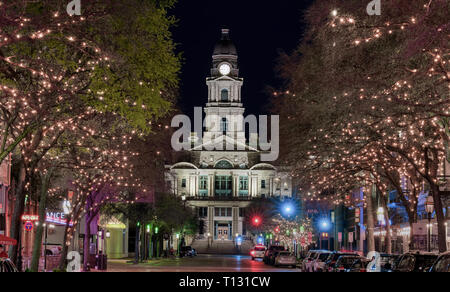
(271, 186)
(235, 221)
(235, 185)
(211, 221)
(211, 185)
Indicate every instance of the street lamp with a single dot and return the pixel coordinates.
(288, 209)
(429, 208)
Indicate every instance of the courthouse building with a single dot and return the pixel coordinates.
(224, 174)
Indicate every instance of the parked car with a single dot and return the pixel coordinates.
(359, 266)
(268, 256)
(6, 266)
(381, 262)
(273, 256)
(187, 251)
(415, 262)
(319, 261)
(258, 252)
(285, 258)
(307, 263)
(442, 265)
(52, 249)
(332, 258)
(344, 263)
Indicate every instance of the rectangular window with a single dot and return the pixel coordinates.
(223, 212)
(243, 183)
(223, 185)
(183, 183)
(241, 212)
(243, 186)
(202, 212)
(203, 183)
(263, 184)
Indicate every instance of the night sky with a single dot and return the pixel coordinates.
(259, 29)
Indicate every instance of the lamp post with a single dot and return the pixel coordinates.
(429, 208)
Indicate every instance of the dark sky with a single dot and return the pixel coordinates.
(259, 29)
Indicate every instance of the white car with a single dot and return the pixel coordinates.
(380, 262)
(308, 262)
(258, 252)
(319, 261)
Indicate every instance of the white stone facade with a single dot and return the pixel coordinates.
(220, 184)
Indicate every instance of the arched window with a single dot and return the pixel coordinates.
(224, 125)
(223, 164)
(224, 95)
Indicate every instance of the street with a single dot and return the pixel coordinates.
(201, 263)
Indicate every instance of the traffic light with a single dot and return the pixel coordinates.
(156, 230)
(277, 230)
(256, 221)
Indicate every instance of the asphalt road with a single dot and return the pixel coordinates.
(201, 264)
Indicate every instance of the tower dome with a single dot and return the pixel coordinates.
(225, 46)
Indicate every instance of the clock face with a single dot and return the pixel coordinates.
(225, 69)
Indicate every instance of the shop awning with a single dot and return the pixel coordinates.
(7, 241)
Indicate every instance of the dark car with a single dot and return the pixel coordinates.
(6, 266)
(442, 265)
(332, 258)
(187, 251)
(359, 266)
(344, 263)
(415, 262)
(269, 258)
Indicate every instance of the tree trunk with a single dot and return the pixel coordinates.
(136, 244)
(388, 239)
(37, 244)
(16, 220)
(439, 209)
(86, 246)
(63, 260)
(370, 223)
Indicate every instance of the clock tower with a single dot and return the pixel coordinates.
(224, 110)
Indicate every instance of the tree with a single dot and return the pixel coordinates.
(56, 71)
(377, 111)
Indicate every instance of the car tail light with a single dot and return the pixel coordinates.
(252, 252)
(362, 270)
(341, 268)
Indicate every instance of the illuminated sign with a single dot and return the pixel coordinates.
(57, 218)
(30, 218)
